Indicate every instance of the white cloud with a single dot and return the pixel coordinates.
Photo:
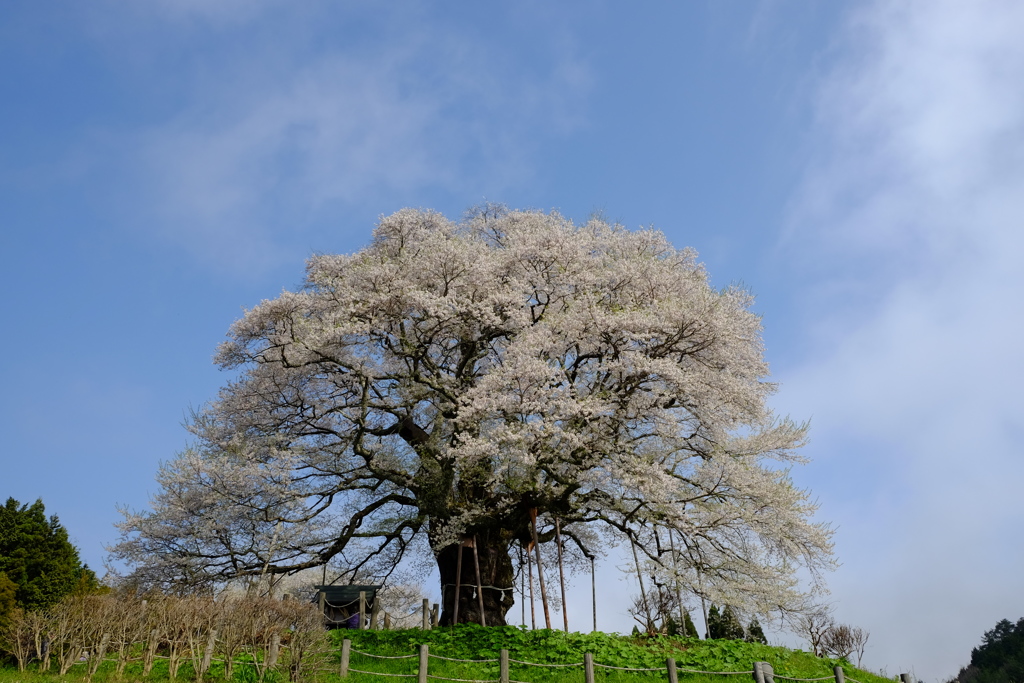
(278, 130)
(912, 212)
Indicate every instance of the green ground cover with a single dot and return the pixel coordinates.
(540, 646)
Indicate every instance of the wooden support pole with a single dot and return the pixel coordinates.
(588, 667)
(640, 578)
(561, 575)
(426, 614)
(675, 580)
(362, 610)
(593, 591)
(346, 653)
(458, 584)
(435, 615)
(522, 587)
(424, 661)
(839, 674)
(387, 621)
(540, 569)
(479, 584)
(533, 610)
(322, 601)
(503, 666)
(670, 666)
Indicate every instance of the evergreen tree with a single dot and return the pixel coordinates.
(731, 626)
(7, 602)
(38, 558)
(715, 629)
(999, 658)
(689, 630)
(755, 634)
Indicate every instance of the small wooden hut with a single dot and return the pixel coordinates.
(341, 605)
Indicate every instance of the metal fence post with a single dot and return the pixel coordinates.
(670, 666)
(346, 649)
(424, 660)
(588, 667)
(503, 666)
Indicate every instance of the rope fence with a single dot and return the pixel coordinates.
(762, 672)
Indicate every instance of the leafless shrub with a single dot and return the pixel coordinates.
(837, 641)
(860, 643)
(16, 638)
(658, 611)
(814, 624)
(308, 643)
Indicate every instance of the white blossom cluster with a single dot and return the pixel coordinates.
(452, 376)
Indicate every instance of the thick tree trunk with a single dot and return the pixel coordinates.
(496, 576)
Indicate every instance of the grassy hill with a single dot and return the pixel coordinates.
(555, 647)
(473, 642)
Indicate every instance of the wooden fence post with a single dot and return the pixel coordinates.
(503, 666)
(154, 641)
(362, 610)
(102, 650)
(758, 673)
(588, 667)
(211, 642)
(387, 621)
(768, 671)
(374, 614)
(670, 666)
(346, 649)
(274, 650)
(433, 615)
(839, 674)
(424, 660)
(426, 614)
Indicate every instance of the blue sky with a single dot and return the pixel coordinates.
(858, 166)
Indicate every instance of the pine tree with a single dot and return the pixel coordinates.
(755, 634)
(715, 629)
(7, 600)
(731, 626)
(36, 554)
(689, 630)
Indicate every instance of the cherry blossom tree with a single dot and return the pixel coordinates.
(452, 381)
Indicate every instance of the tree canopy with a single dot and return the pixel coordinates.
(37, 556)
(999, 658)
(452, 381)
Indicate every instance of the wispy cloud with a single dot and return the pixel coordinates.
(270, 140)
(912, 214)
